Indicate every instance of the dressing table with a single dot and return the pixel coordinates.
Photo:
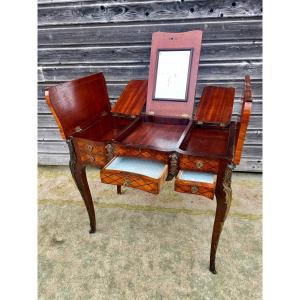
(152, 133)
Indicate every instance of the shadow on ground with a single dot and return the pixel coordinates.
(146, 246)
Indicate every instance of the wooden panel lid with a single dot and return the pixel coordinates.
(165, 41)
(215, 105)
(244, 120)
(76, 103)
(133, 98)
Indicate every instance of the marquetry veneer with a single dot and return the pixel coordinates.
(127, 142)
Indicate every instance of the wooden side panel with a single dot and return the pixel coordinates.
(78, 102)
(215, 105)
(244, 120)
(132, 99)
(91, 153)
(55, 116)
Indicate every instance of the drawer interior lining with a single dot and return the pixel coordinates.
(140, 166)
(197, 176)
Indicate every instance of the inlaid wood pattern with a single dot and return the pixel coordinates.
(90, 147)
(95, 160)
(196, 188)
(189, 162)
(134, 180)
(120, 150)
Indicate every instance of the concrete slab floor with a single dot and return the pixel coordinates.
(146, 246)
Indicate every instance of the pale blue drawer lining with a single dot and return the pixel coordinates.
(140, 166)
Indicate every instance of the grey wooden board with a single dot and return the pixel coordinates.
(254, 136)
(47, 121)
(88, 13)
(246, 165)
(228, 51)
(207, 71)
(141, 33)
(115, 89)
(256, 107)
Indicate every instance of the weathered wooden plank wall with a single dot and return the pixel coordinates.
(80, 37)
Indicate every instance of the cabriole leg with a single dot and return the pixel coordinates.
(79, 175)
(224, 198)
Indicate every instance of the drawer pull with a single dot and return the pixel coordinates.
(194, 189)
(89, 147)
(127, 182)
(91, 158)
(199, 164)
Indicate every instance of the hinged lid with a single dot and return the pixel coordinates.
(133, 98)
(78, 103)
(173, 73)
(216, 104)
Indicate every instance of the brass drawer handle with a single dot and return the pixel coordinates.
(194, 189)
(199, 164)
(127, 182)
(91, 158)
(89, 147)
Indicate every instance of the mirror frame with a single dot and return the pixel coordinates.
(177, 41)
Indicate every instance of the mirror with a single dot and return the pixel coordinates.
(172, 75)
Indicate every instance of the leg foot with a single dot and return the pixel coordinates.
(119, 189)
(212, 268)
(92, 230)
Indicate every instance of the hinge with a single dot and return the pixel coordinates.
(78, 129)
(151, 112)
(185, 116)
(221, 124)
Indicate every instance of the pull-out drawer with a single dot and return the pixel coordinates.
(198, 183)
(189, 162)
(146, 175)
(120, 150)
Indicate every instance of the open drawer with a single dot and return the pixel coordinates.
(142, 174)
(195, 182)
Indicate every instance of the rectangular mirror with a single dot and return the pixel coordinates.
(172, 74)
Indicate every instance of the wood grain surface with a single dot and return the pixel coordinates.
(133, 99)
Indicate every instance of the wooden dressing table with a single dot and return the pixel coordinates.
(141, 149)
